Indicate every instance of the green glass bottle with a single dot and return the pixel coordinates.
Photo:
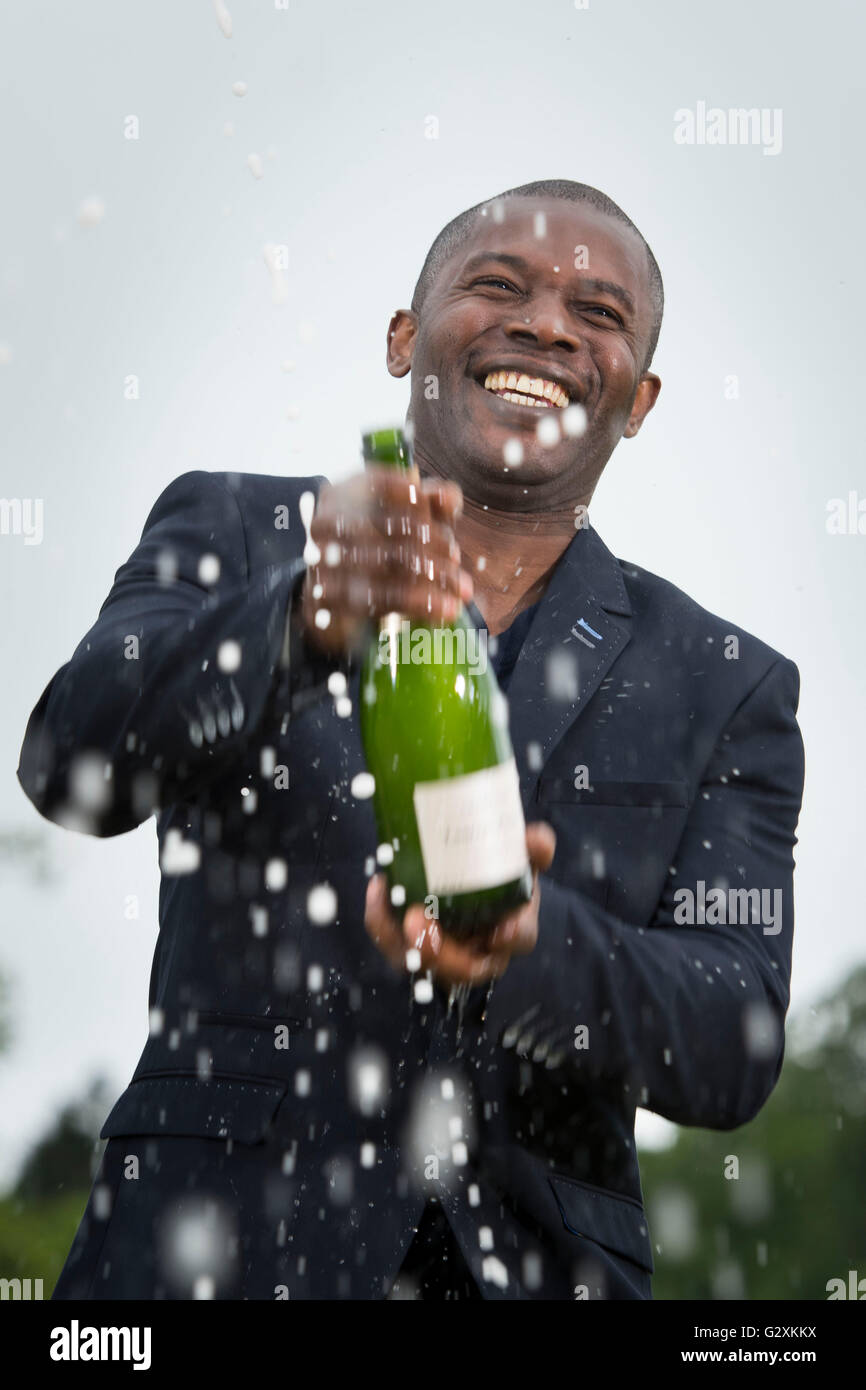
(434, 725)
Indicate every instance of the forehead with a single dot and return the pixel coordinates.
(547, 231)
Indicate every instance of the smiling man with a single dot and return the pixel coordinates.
(311, 1116)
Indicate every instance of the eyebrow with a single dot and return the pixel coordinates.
(592, 284)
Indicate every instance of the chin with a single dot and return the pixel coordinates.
(508, 480)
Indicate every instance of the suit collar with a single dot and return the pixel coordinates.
(585, 567)
(572, 643)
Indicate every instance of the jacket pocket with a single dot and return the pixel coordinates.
(617, 1223)
(182, 1104)
(643, 794)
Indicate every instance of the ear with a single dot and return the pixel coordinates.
(402, 332)
(645, 398)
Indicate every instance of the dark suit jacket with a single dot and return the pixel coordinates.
(522, 1101)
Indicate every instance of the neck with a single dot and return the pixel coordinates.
(510, 555)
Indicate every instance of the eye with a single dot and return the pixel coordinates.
(493, 280)
(602, 309)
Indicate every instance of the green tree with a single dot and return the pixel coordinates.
(774, 1209)
(39, 1218)
(67, 1156)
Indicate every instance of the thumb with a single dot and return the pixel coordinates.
(540, 844)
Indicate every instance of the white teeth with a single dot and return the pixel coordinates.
(523, 400)
(537, 391)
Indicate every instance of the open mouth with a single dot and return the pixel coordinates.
(540, 393)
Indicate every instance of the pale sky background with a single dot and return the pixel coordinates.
(727, 498)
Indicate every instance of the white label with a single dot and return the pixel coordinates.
(472, 830)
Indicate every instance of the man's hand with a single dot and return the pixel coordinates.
(465, 962)
(386, 543)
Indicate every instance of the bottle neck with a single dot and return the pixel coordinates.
(389, 448)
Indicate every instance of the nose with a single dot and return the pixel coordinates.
(544, 323)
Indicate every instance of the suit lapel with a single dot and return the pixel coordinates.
(571, 645)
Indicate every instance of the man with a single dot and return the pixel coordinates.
(313, 1116)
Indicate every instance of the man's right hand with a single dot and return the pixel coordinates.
(387, 544)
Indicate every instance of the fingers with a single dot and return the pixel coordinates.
(359, 597)
(474, 962)
(386, 543)
(454, 962)
(383, 497)
(446, 500)
(382, 927)
(540, 845)
(381, 560)
(518, 933)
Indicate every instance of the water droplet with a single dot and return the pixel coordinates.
(166, 567)
(494, 1271)
(224, 19)
(89, 784)
(561, 676)
(368, 1079)
(547, 429)
(363, 785)
(90, 212)
(322, 904)
(574, 421)
(276, 875)
(208, 569)
(179, 856)
(229, 655)
(423, 991)
(513, 452)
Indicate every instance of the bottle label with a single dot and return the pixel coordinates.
(472, 830)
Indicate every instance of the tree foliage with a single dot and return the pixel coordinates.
(793, 1217)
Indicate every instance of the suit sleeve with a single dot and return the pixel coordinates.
(187, 654)
(685, 1017)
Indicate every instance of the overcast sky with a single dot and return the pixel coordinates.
(145, 257)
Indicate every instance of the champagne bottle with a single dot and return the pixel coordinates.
(434, 726)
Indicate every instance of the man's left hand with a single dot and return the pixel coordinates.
(473, 962)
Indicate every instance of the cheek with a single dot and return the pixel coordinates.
(620, 376)
(454, 334)
(618, 365)
(439, 350)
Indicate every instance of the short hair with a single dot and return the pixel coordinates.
(460, 228)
